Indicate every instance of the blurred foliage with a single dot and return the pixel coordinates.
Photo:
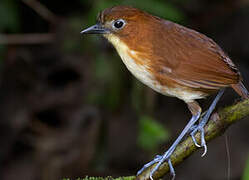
(71, 41)
(137, 96)
(9, 21)
(151, 133)
(160, 8)
(107, 68)
(2, 52)
(246, 171)
(108, 76)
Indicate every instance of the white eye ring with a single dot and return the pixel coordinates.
(118, 24)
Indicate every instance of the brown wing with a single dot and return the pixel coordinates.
(192, 59)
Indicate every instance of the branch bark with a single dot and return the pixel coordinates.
(216, 126)
(41, 10)
(34, 38)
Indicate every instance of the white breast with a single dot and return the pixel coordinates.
(141, 72)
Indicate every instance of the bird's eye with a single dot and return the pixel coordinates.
(118, 24)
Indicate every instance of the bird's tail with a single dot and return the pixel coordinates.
(241, 90)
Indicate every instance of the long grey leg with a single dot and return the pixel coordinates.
(166, 156)
(204, 121)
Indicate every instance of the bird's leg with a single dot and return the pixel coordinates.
(195, 125)
(203, 122)
(196, 111)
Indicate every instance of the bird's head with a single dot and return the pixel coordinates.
(123, 23)
(118, 20)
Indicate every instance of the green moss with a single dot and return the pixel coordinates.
(237, 111)
(106, 178)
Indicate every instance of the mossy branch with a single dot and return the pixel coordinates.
(104, 178)
(216, 126)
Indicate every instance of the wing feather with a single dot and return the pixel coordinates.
(195, 60)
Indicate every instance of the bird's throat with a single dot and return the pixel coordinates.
(131, 59)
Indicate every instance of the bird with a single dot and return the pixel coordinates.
(174, 61)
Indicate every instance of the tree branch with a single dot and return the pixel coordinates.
(104, 178)
(41, 10)
(216, 126)
(33, 38)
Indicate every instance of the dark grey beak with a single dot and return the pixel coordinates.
(95, 29)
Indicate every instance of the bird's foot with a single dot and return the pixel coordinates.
(203, 144)
(167, 155)
(155, 160)
(159, 160)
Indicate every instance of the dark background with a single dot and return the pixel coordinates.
(69, 107)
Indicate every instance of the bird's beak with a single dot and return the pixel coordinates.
(95, 29)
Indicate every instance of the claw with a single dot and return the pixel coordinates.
(151, 178)
(157, 166)
(203, 142)
(194, 140)
(205, 150)
(172, 171)
(171, 168)
(165, 157)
